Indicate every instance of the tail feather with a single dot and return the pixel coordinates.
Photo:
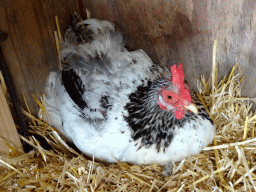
(92, 45)
(97, 26)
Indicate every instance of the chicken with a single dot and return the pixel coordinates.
(118, 106)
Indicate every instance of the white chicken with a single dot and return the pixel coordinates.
(117, 106)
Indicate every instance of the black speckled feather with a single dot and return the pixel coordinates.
(151, 124)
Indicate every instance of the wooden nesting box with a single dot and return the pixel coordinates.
(170, 31)
(8, 132)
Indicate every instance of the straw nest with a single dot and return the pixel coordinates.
(227, 165)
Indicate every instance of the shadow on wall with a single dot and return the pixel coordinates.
(184, 31)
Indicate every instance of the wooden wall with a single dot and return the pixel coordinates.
(170, 31)
(174, 31)
(30, 50)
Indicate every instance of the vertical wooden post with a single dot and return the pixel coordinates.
(8, 131)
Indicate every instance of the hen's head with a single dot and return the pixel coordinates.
(176, 97)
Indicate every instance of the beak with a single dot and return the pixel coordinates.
(192, 107)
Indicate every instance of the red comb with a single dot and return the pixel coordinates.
(178, 76)
(178, 80)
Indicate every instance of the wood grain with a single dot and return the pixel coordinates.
(8, 131)
(30, 49)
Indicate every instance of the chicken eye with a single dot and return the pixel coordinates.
(169, 97)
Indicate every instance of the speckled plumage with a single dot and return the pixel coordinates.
(105, 101)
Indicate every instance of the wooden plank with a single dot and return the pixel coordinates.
(8, 131)
(30, 49)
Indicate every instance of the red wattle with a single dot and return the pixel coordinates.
(179, 114)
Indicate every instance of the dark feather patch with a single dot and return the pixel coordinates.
(104, 103)
(74, 86)
(81, 33)
(151, 124)
(143, 124)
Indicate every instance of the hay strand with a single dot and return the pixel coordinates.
(57, 41)
(8, 165)
(214, 69)
(58, 29)
(88, 14)
(2, 83)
